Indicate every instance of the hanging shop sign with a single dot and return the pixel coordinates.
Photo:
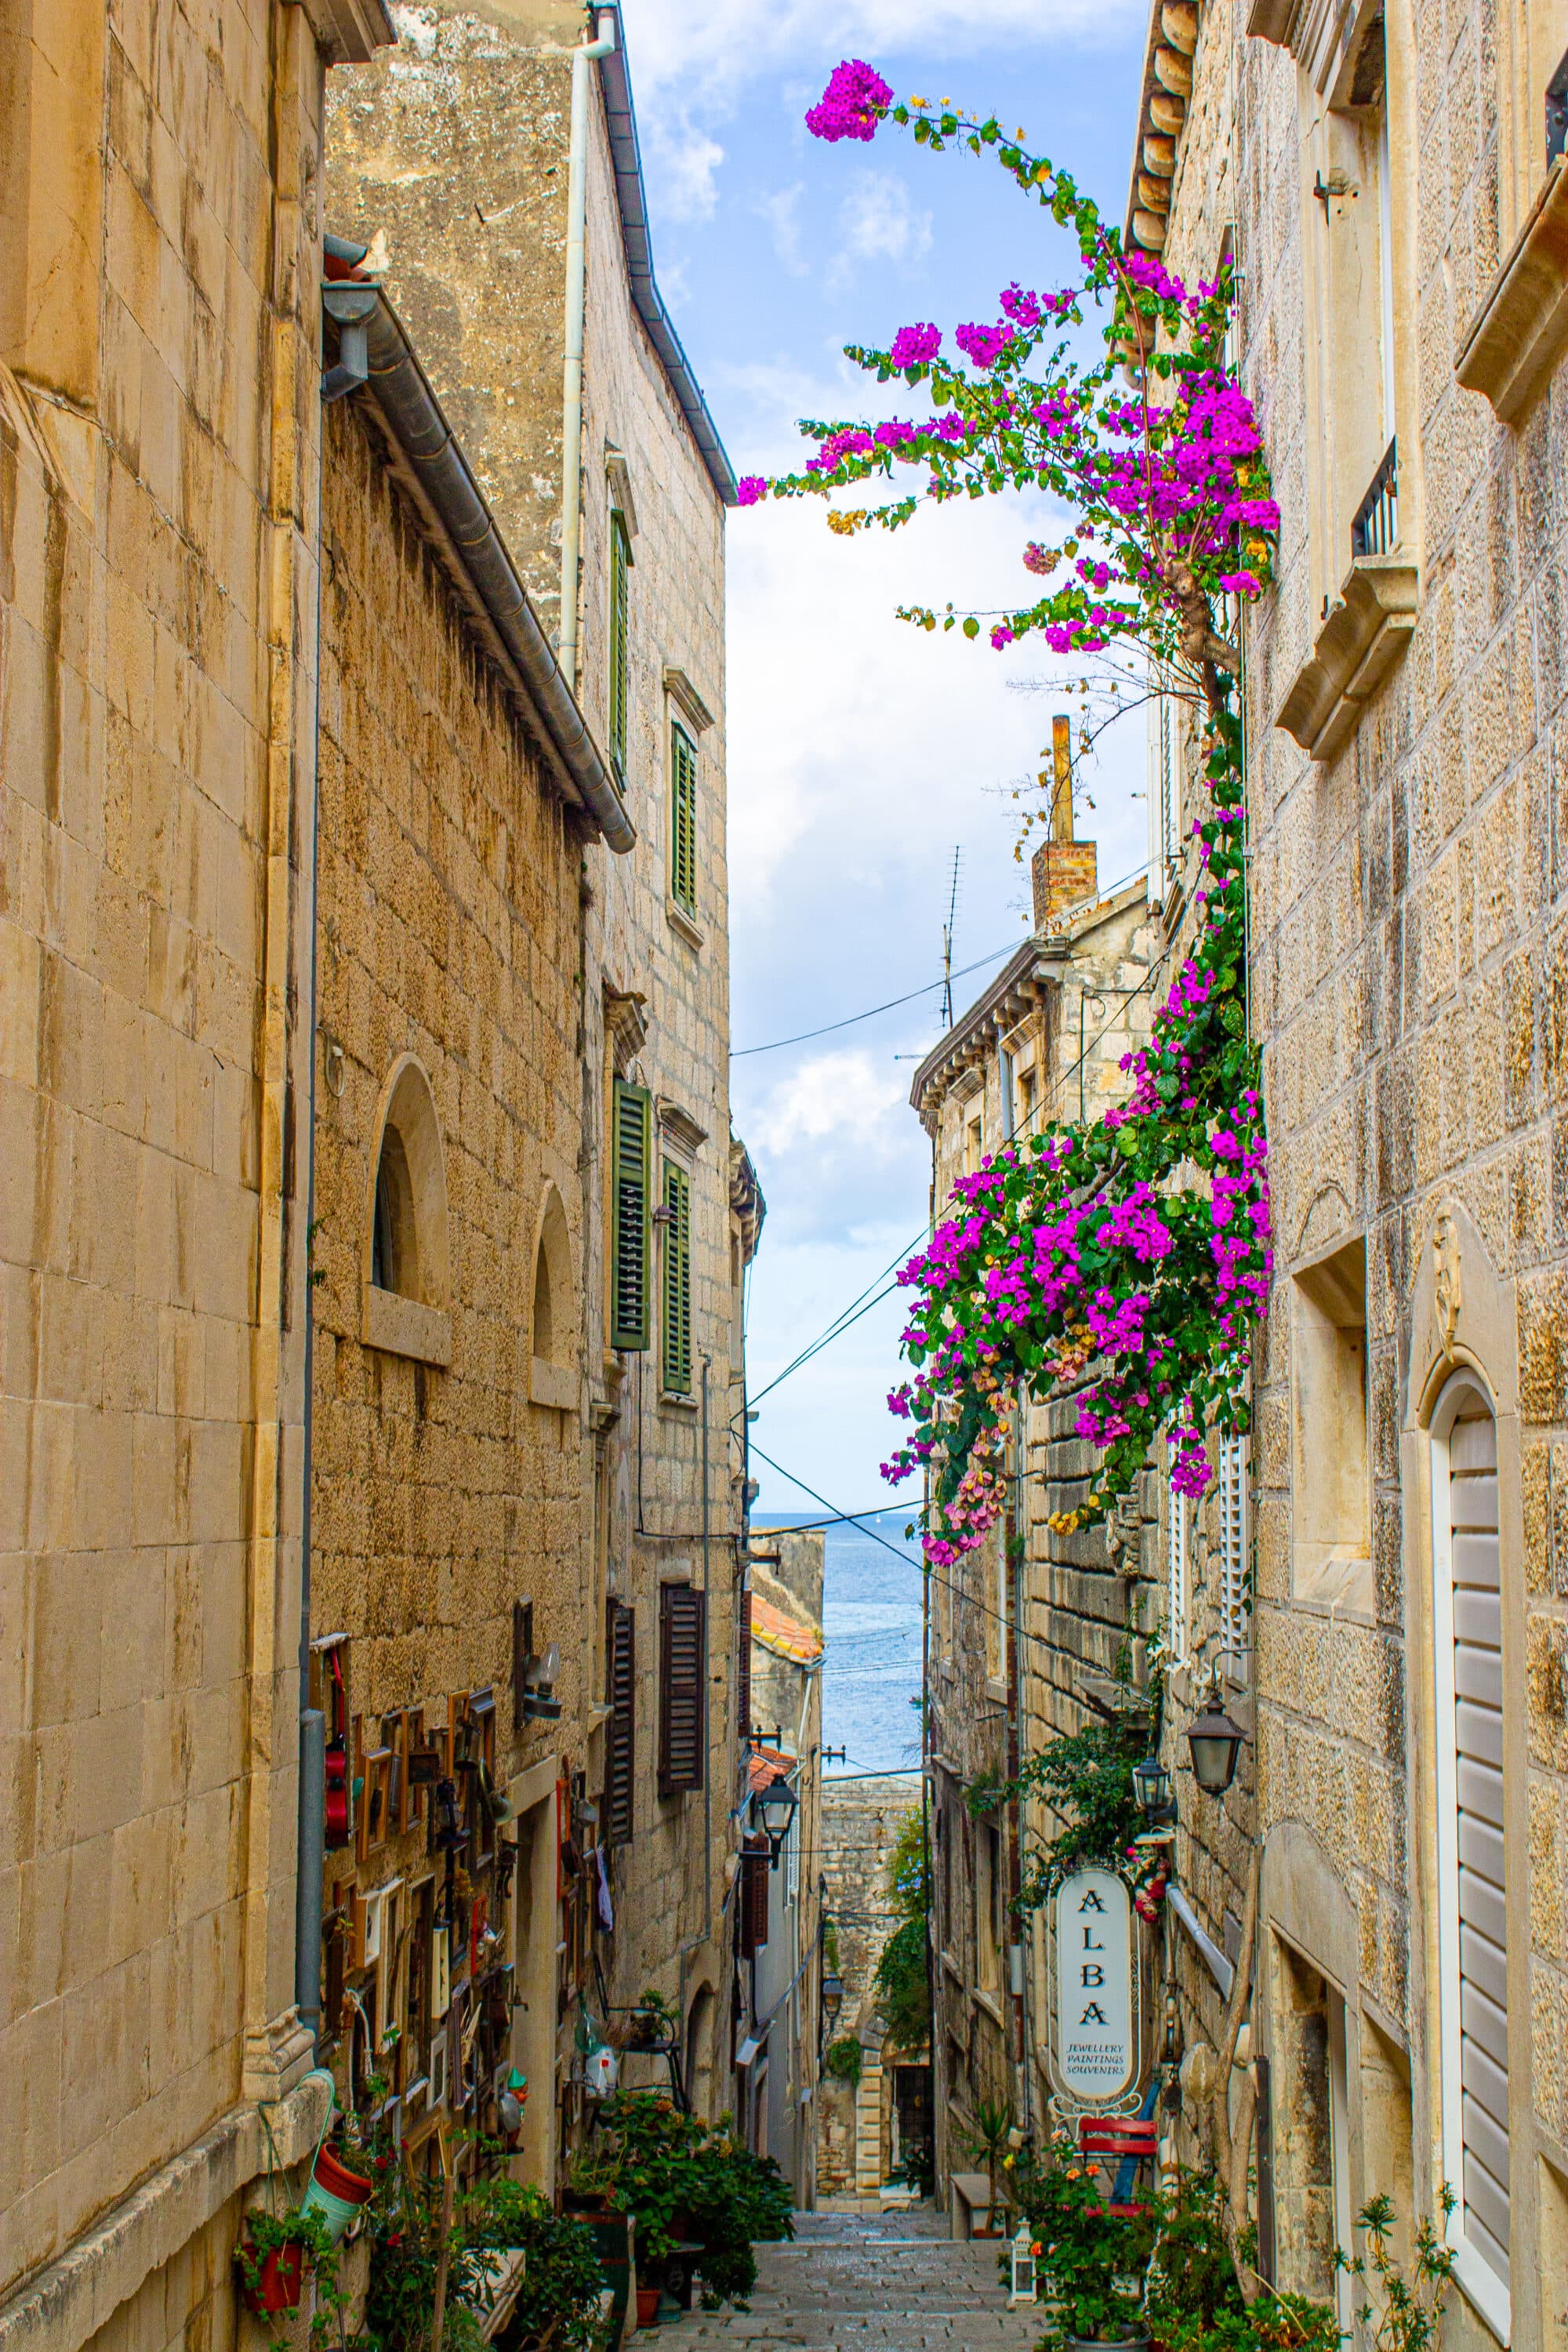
(1094, 2038)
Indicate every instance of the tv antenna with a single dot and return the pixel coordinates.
(948, 930)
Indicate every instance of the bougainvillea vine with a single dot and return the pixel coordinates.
(1123, 1258)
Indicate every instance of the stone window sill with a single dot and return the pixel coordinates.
(1366, 635)
(552, 1384)
(1520, 331)
(405, 1327)
(679, 920)
(676, 1401)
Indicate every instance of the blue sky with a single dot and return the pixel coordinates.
(861, 751)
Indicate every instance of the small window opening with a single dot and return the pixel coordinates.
(543, 1318)
(393, 1264)
(1332, 1496)
(1557, 113)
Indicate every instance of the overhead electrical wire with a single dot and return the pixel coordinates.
(862, 1303)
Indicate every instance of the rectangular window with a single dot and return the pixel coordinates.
(1331, 1502)
(1473, 1894)
(1235, 1583)
(682, 818)
(988, 1909)
(682, 1696)
(620, 1752)
(755, 1864)
(620, 626)
(1175, 1578)
(676, 1366)
(631, 1176)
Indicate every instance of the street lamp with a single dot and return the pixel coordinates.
(772, 1809)
(1215, 1742)
(832, 1997)
(1152, 1789)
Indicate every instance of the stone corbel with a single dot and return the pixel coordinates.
(1365, 635)
(350, 32)
(1520, 331)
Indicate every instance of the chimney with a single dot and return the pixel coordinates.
(1066, 871)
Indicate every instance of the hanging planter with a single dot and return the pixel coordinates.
(335, 2193)
(273, 2280)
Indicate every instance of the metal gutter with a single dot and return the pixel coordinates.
(614, 84)
(438, 472)
(1215, 1960)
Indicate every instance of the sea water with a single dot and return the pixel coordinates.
(871, 1624)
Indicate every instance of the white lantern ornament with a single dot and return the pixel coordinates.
(1024, 2286)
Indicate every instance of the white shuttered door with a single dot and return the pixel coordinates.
(1476, 1877)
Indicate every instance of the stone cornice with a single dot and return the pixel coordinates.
(1366, 634)
(1521, 327)
(349, 32)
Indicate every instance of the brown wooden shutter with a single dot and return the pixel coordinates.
(743, 1677)
(682, 1714)
(620, 1768)
(756, 1861)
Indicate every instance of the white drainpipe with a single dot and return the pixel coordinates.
(587, 53)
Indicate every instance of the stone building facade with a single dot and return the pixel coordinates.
(159, 464)
(491, 164)
(867, 2129)
(1390, 180)
(1025, 1631)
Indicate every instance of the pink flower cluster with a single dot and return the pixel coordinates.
(852, 105)
(915, 346)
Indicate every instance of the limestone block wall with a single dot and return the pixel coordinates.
(158, 438)
(474, 113)
(451, 931)
(861, 1821)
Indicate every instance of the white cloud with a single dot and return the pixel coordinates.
(723, 44)
(876, 222)
(781, 210)
(687, 162)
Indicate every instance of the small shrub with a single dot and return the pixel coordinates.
(842, 2059)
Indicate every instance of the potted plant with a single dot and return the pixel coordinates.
(1095, 2261)
(274, 2257)
(699, 2199)
(653, 2025)
(991, 2138)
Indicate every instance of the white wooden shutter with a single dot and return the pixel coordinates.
(1477, 1732)
(1235, 1612)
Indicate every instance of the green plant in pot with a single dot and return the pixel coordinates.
(653, 2024)
(1094, 2259)
(277, 2252)
(685, 2184)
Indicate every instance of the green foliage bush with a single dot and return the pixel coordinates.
(842, 2059)
(903, 1972)
(666, 2168)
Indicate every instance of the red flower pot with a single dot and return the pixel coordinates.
(281, 2282)
(648, 2306)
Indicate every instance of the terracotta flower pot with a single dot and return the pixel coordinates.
(335, 2193)
(281, 2282)
(648, 2306)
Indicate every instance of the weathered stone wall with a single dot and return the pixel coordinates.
(475, 111)
(861, 1821)
(159, 422)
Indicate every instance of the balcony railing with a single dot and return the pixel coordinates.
(1375, 530)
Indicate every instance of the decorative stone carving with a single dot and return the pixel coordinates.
(1447, 1286)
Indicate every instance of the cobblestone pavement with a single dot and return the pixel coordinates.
(868, 2282)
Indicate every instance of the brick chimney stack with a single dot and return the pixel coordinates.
(1066, 871)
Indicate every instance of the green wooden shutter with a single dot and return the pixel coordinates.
(620, 570)
(677, 1370)
(682, 819)
(631, 1178)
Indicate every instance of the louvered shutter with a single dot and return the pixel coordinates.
(677, 1368)
(620, 1650)
(682, 819)
(1478, 1688)
(744, 1673)
(620, 625)
(630, 1211)
(1236, 1607)
(757, 1860)
(682, 1716)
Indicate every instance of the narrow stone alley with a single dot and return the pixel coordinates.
(894, 2280)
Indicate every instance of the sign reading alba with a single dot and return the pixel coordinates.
(1096, 2048)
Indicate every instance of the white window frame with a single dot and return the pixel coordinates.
(1176, 1534)
(1235, 1609)
(1475, 2274)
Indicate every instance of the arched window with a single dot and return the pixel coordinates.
(553, 1374)
(407, 1259)
(1467, 1621)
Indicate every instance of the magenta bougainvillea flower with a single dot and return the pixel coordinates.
(1122, 1258)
